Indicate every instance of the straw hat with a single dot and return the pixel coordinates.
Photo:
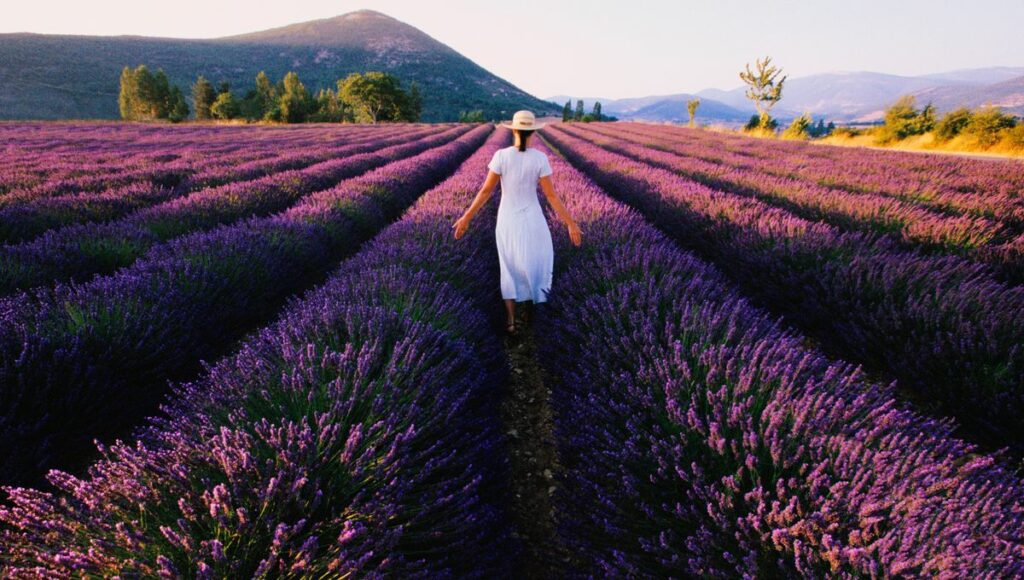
(523, 120)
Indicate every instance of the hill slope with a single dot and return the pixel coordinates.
(660, 108)
(63, 76)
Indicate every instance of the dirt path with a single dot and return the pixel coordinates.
(527, 422)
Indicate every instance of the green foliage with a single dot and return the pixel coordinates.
(203, 96)
(476, 116)
(579, 111)
(691, 109)
(988, 124)
(596, 111)
(145, 96)
(764, 88)
(224, 106)
(567, 112)
(178, 109)
(820, 129)
(903, 120)
(414, 108)
(328, 107)
(953, 123)
(800, 128)
(378, 97)
(845, 131)
(1015, 137)
(295, 102)
(761, 124)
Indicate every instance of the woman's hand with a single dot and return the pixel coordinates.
(575, 234)
(460, 226)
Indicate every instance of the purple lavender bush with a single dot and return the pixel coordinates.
(80, 251)
(23, 217)
(699, 438)
(79, 362)
(357, 435)
(941, 325)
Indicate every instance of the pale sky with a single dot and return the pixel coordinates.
(609, 48)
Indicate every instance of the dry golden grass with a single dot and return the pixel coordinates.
(962, 144)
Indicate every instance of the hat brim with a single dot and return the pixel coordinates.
(533, 127)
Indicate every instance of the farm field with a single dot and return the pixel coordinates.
(256, 351)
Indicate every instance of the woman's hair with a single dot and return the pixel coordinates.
(524, 137)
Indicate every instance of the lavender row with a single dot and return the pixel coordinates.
(72, 165)
(111, 149)
(698, 438)
(910, 222)
(989, 189)
(357, 435)
(859, 169)
(941, 325)
(27, 218)
(83, 250)
(79, 362)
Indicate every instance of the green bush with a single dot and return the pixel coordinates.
(988, 124)
(953, 124)
(800, 128)
(761, 123)
(903, 120)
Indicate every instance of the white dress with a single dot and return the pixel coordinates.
(525, 254)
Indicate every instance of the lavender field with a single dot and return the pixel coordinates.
(257, 351)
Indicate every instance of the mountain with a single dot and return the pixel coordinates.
(68, 76)
(839, 96)
(660, 108)
(980, 76)
(1007, 95)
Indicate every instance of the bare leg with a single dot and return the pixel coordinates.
(510, 308)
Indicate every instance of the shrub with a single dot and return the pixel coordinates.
(800, 128)
(953, 123)
(987, 125)
(903, 120)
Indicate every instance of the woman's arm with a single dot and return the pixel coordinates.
(486, 190)
(549, 193)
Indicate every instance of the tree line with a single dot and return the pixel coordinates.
(579, 114)
(371, 97)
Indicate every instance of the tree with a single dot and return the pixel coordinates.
(800, 128)
(375, 97)
(903, 120)
(294, 101)
(596, 113)
(414, 105)
(475, 116)
(567, 112)
(177, 111)
(691, 108)
(144, 96)
(764, 88)
(259, 102)
(127, 96)
(987, 125)
(224, 106)
(328, 107)
(203, 96)
(579, 110)
(953, 123)
(160, 105)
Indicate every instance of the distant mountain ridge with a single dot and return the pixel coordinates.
(63, 76)
(840, 96)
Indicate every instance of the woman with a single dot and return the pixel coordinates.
(525, 254)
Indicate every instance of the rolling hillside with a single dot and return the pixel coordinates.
(63, 76)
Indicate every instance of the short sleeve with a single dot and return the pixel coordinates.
(495, 164)
(545, 166)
